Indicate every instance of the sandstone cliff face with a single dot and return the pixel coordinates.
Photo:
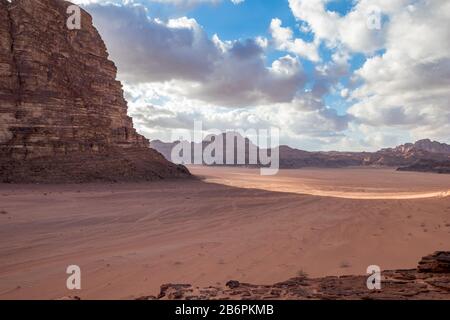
(63, 116)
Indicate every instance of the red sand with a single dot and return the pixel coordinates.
(129, 239)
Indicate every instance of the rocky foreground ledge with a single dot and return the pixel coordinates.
(430, 280)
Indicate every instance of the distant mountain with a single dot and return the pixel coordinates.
(401, 156)
(416, 156)
(424, 145)
(165, 148)
(291, 158)
(410, 153)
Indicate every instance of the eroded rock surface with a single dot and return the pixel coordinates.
(431, 280)
(63, 117)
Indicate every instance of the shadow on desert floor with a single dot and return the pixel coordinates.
(128, 239)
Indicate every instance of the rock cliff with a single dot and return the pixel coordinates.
(63, 117)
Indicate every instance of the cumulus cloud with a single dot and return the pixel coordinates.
(409, 85)
(174, 73)
(227, 73)
(304, 118)
(175, 2)
(284, 40)
(354, 30)
(403, 89)
(152, 50)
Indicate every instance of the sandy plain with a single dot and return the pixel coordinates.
(230, 223)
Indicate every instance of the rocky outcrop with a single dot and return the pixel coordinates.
(428, 166)
(424, 145)
(63, 116)
(439, 262)
(431, 280)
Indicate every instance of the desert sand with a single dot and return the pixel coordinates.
(347, 183)
(130, 238)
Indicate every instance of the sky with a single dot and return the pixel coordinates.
(330, 74)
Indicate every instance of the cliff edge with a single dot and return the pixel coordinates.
(63, 117)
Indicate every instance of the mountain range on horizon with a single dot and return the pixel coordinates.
(423, 155)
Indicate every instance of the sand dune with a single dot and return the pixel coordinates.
(129, 239)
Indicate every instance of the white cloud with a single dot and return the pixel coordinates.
(303, 119)
(284, 40)
(175, 74)
(227, 73)
(351, 30)
(409, 85)
(175, 2)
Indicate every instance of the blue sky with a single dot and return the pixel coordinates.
(252, 18)
(246, 20)
(331, 74)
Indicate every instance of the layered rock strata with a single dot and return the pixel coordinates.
(63, 116)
